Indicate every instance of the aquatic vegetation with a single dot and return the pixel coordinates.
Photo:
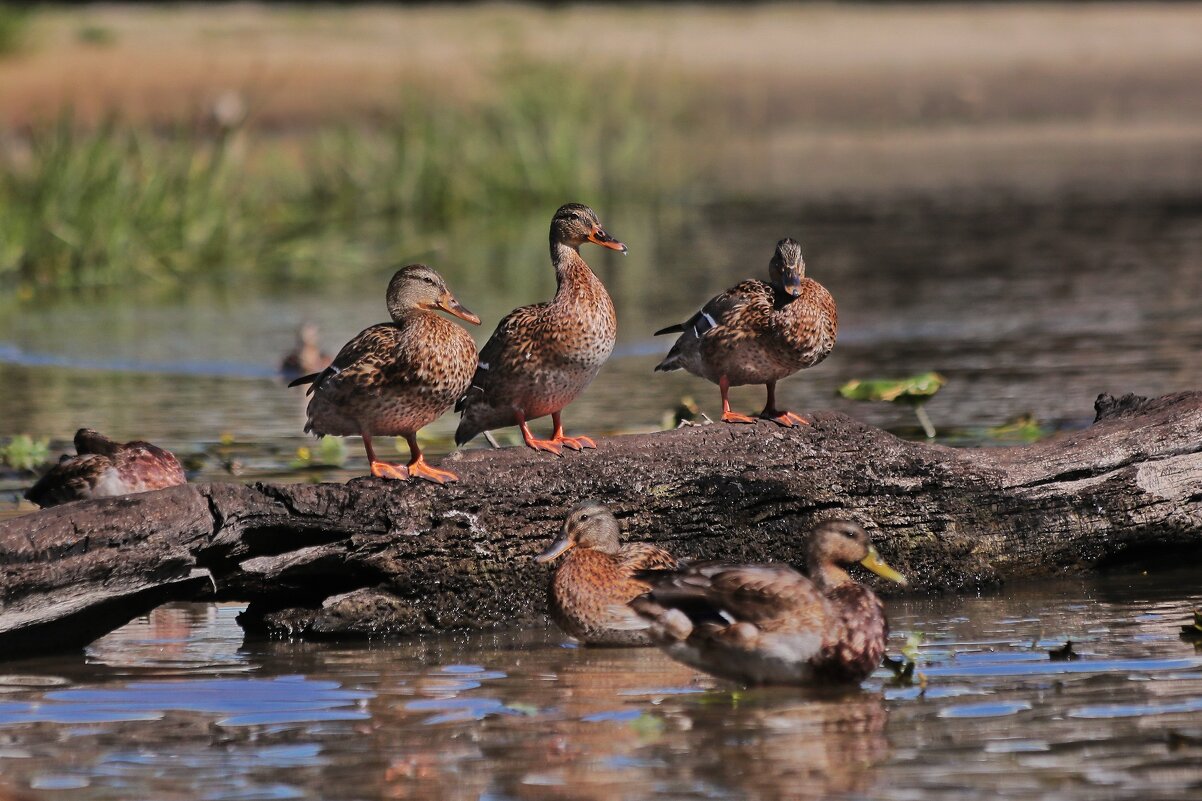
(23, 452)
(914, 391)
(1024, 428)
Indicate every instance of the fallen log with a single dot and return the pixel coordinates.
(371, 557)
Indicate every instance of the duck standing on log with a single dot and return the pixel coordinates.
(768, 624)
(394, 378)
(758, 333)
(103, 468)
(542, 356)
(592, 586)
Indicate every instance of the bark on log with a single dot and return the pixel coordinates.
(370, 557)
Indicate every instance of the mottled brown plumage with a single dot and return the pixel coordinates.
(307, 356)
(103, 468)
(542, 356)
(394, 378)
(768, 624)
(589, 592)
(758, 333)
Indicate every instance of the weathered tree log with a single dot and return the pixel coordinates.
(371, 557)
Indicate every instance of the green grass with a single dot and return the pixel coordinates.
(119, 204)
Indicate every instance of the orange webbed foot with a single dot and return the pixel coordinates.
(576, 443)
(422, 469)
(735, 417)
(548, 445)
(394, 472)
(786, 419)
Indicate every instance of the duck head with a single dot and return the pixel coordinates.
(787, 268)
(589, 525)
(419, 287)
(574, 224)
(843, 542)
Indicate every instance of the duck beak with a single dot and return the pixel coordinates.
(792, 284)
(876, 564)
(451, 306)
(560, 545)
(598, 237)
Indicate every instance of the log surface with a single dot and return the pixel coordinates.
(371, 557)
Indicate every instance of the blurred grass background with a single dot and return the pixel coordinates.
(161, 144)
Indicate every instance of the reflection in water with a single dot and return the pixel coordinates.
(176, 705)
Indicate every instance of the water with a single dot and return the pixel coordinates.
(176, 705)
(1025, 307)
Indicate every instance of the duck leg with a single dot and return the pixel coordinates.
(418, 467)
(727, 415)
(575, 443)
(397, 472)
(548, 445)
(784, 418)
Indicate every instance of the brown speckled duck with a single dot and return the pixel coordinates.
(768, 624)
(591, 587)
(542, 356)
(307, 356)
(757, 333)
(103, 468)
(394, 378)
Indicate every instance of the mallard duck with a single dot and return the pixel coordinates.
(542, 356)
(592, 585)
(307, 356)
(757, 333)
(103, 468)
(394, 378)
(768, 624)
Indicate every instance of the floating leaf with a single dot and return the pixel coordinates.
(1024, 427)
(913, 390)
(23, 452)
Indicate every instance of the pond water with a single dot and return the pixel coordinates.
(1025, 307)
(177, 705)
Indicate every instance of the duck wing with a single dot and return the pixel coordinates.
(728, 315)
(717, 592)
(509, 346)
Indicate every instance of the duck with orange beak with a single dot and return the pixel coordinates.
(542, 356)
(395, 378)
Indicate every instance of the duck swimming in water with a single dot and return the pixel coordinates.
(767, 623)
(593, 583)
(394, 378)
(758, 333)
(542, 356)
(104, 468)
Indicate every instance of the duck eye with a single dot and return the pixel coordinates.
(583, 518)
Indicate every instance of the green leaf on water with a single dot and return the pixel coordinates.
(914, 390)
(23, 452)
(1024, 428)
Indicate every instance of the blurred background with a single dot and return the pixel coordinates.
(1009, 194)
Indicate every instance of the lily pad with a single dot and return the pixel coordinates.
(914, 390)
